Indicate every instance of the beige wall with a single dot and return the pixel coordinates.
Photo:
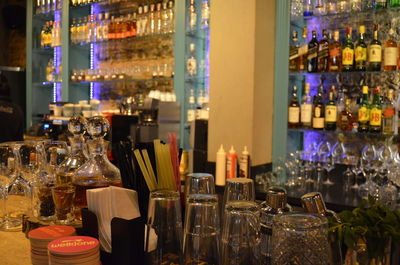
(241, 77)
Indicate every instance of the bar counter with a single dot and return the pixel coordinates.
(14, 248)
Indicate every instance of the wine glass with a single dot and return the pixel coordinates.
(325, 156)
(338, 152)
(369, 154)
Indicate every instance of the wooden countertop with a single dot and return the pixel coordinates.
(14, 248)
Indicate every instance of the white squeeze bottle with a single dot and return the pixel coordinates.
(244, 164)
(220, 169)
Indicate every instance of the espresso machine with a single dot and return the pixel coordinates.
(145, 120)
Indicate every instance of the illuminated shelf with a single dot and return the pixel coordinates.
(346, 15)
(338, 131)
(161, 79)
(45, 83)
(121, 6)
(343, 73)
(136, 38)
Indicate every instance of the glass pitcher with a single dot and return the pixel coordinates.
(98, 171)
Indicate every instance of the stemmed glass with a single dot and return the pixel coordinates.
(324, 154)
(369, 155)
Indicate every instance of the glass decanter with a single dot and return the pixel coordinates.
(42, 201)
(98, 171)
(77, 127)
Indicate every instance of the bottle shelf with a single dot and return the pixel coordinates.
(136, 38)
(158, 79)
(45, 16)
(300, 74)
(346, 15)
(110, 7)
(346, 133)
(45, 83)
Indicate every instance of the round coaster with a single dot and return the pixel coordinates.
(73, 245)
(49, 233)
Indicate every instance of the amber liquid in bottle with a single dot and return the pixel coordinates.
(294, 111)
(390, 53)
(335, 54)
(323, 53)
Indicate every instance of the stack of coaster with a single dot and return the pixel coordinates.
(42, 236)
(74, 250)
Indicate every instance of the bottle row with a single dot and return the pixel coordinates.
(159, 19)
(46, 6)
(309, 8)
(198, 105)
(192, 18)
(330, 55)
(50, 35)
(344, 112)
(88, 2)
(138, 72)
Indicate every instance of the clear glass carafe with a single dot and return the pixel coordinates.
(98, 171)
(77, 157)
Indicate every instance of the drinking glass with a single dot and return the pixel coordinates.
(63, 197)
(27, 155)
(164, 218)
(369, 155)
(239, 189)
(299, 238)
(199, 183)
(7, 171)
(241, 234)
(202, 230)
(56, 153)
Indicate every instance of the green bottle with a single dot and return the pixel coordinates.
(375, 117)
(348, 53)
(363, 111)
(394, 3)
(331, 112)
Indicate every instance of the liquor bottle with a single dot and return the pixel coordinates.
(380, 3)
(394, 3)
(158, 18)
(335, 53)
(346, 117)
(348, 52)
(323, 53)
(308, 8)
(375, 52)
(303, 51)
(375, 120)
(145, 20)
(205, 14)
(192, 18)
(105, 26)
(390, 53)
(152, 20)
(294, 53)
(361, 52)
(294, 111)
(318, 111)
(312, 55)
(363, 111)
(191, 114)
(191, 64)
(171, 16)
(306, 108)
(388, 114)
(331, 111)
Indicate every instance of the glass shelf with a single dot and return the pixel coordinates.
(121, 6)
(343, 73)
(125, 80)
(346, 133)
(136, 38)
(348, 15)
(45, 16)
(45, 83)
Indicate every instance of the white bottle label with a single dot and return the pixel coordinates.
(306, 111)
(331, 113)
(390, 56)
(191, 115)
(375, 53)
(294, 114)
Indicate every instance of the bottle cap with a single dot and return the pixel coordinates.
(391, 31)
(365, 89)
(276, 197)
(77, 125)
(232, 150)
(245, 151)
(348, 30)
(98, 126)
(362, 29)
(221, 149)
(313, 203)
(336, 34)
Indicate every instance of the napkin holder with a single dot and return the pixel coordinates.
(127, 239)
